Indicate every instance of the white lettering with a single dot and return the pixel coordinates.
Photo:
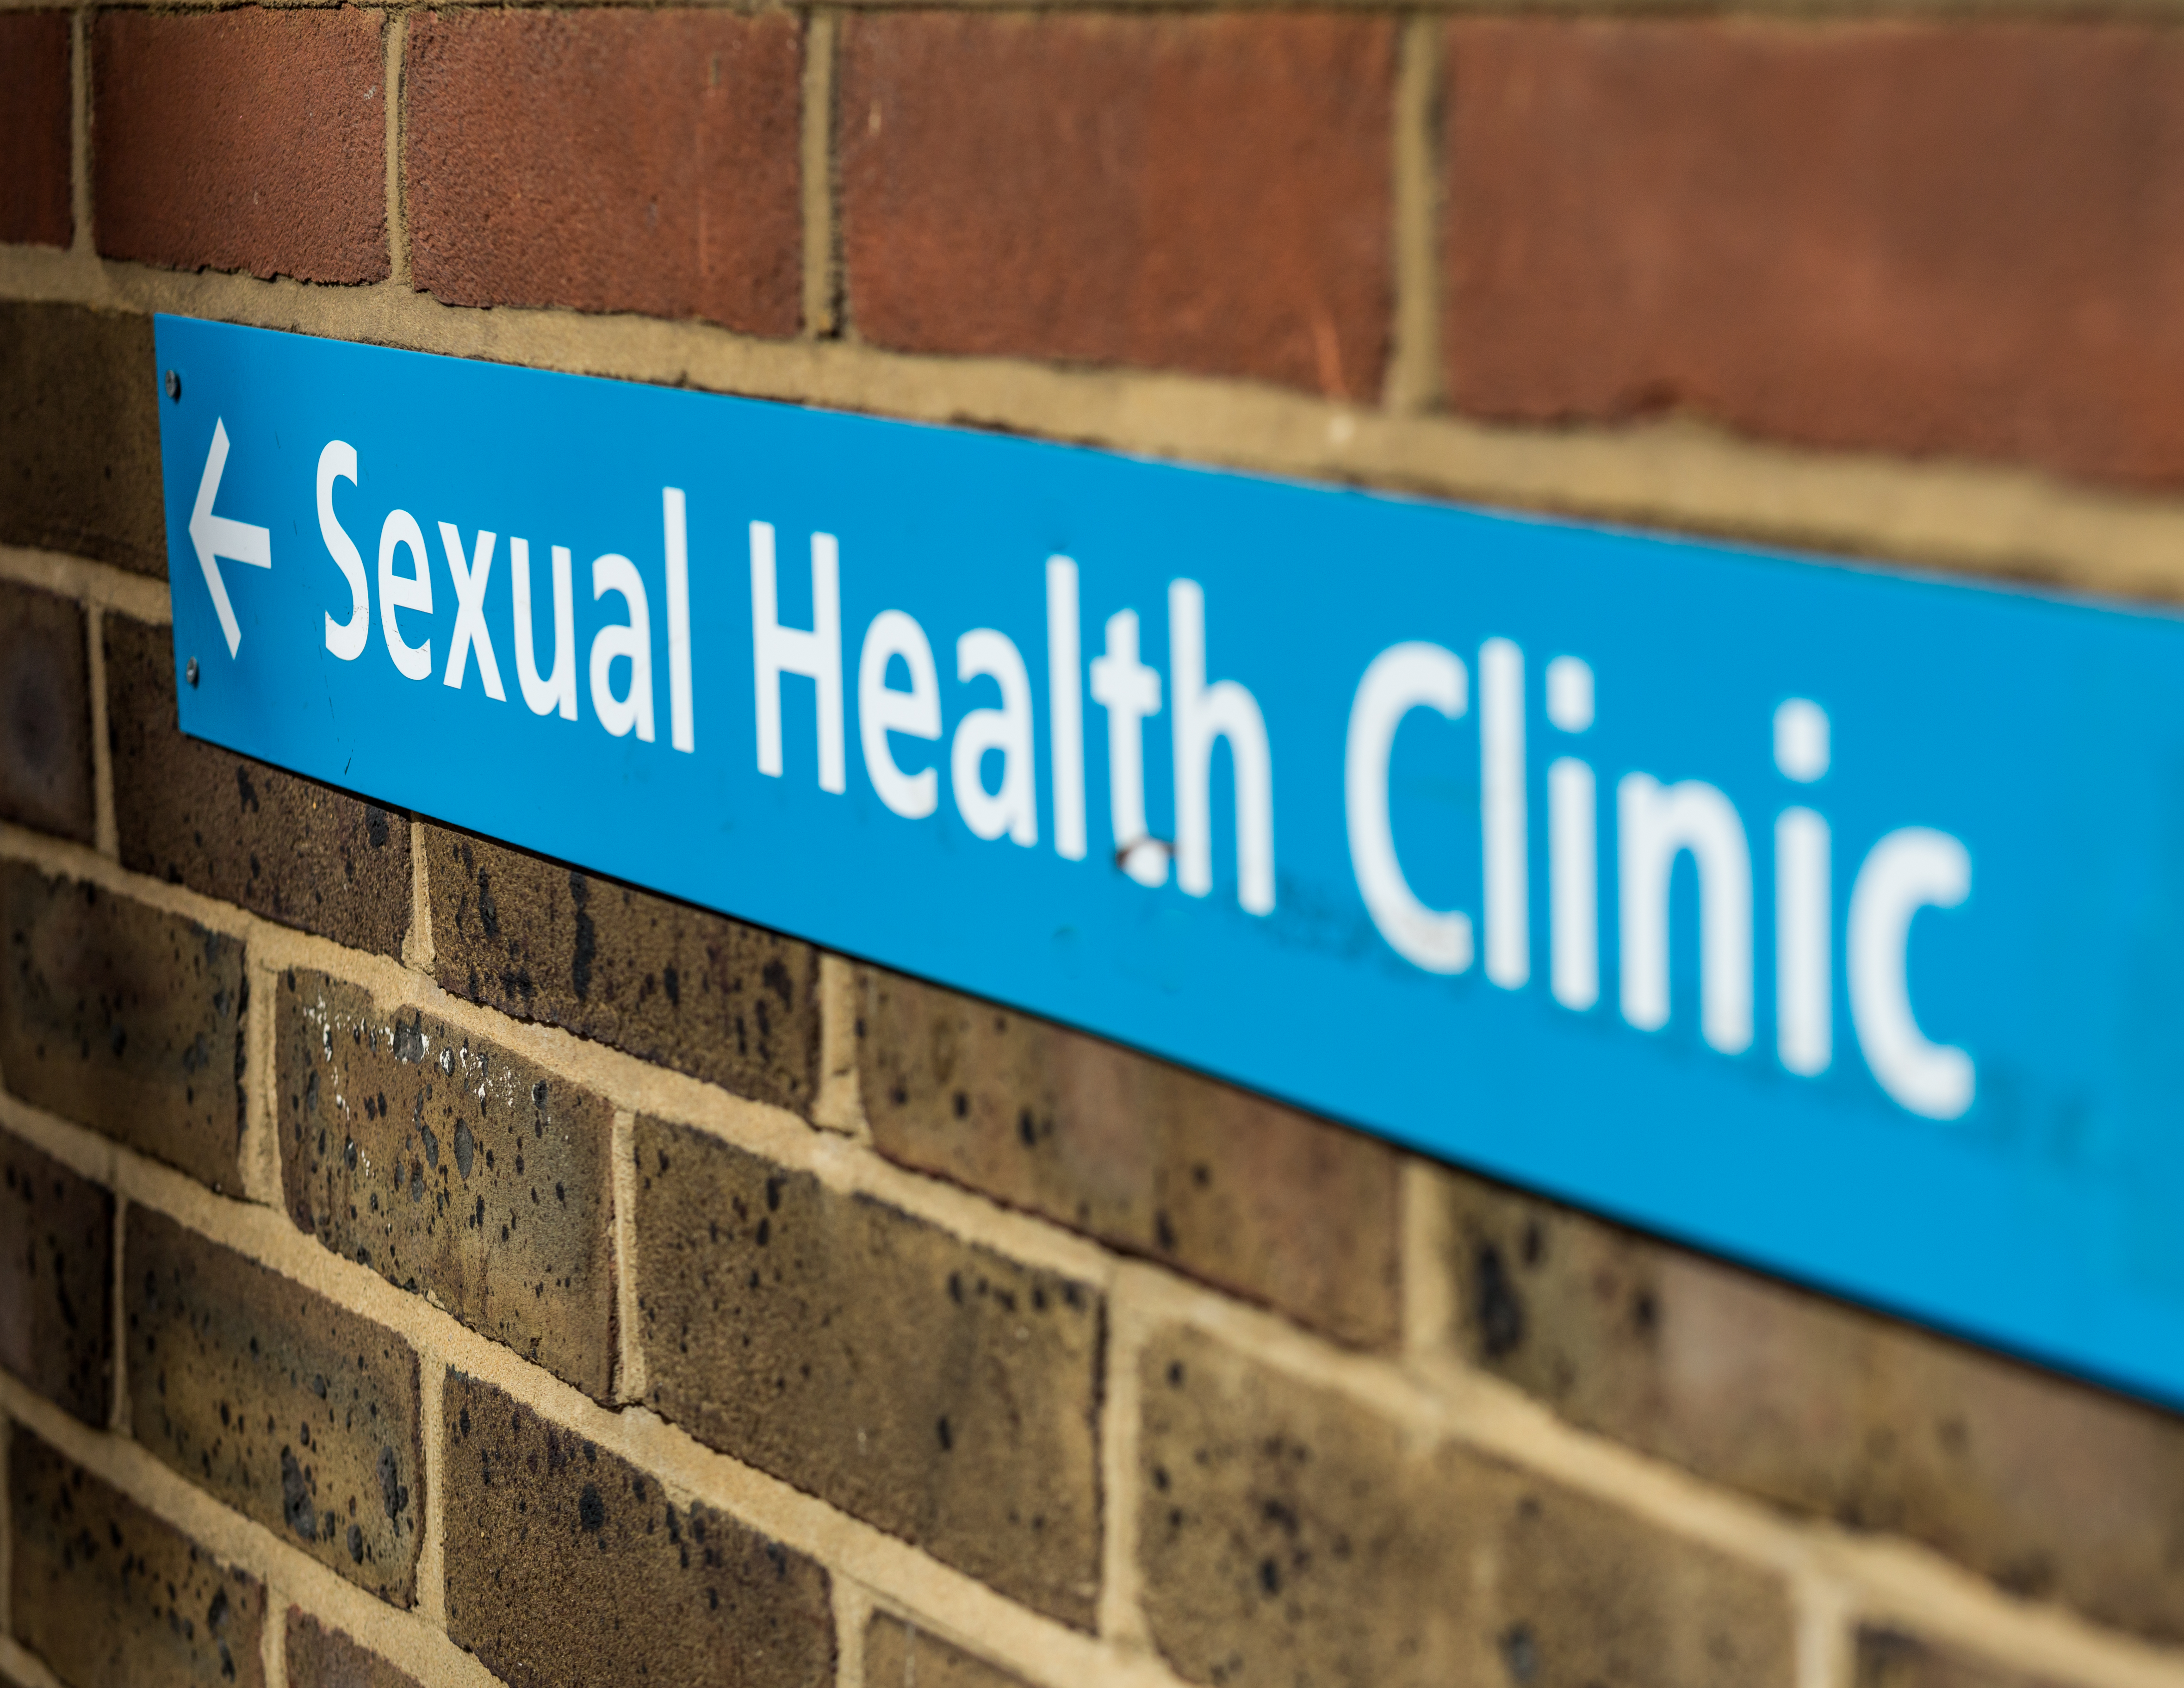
(1501, 812)
(816, 654)
(412, 591)
(470, 611)
(1130, 692)
(1573, 844)
(1401, 679)
(1654, 824)
(345, 640)
(631, 639)
(1014, 809)
(1065, 700)
(545, 696)
(1913, 867)
(1201, 714)
(682, 729)
(882, 710)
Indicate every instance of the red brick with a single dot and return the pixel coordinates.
(34, 141)
(107, 1593)
(251, 140)
(607, 160)
(1278, 1205)
(1200, 194)
(56, 1280)
(1927, 239)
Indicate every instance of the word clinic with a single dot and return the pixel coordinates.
(1908, 870)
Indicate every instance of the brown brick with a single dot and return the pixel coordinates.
(125, 1019)
(253, 139)
(79, 435)
(531, 181)
(290, 1408)
(957, 1410)
(452, 1168)
(106, 1593)
(1949, 237)
(899, 1655)
(1207, 193)
(320, 1658)
(1249, 1194)
(45, 710)
(2053, 1489)
(1888, 1659)
(281, 845)
(56, 1280)
(697, 992)
(1289, 1535)
(568, 1567)
(34, 144)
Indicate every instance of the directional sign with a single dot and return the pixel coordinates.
(1824, 916)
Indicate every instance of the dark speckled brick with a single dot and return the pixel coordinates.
(124, 1018)
(706, 995)
(280, 845)
(294, 1411)
(451, 1167)
(937, 1390)
(1290, 1534)
(1294, 1212)
(568, 1567)
(321, 1658)
(45, 714)
(56, 1280)
(899, 1655)
(1887, 1658)
(106, 1593)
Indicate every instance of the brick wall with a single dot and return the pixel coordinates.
(400, 1283)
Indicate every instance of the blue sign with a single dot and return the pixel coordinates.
(1828, 918)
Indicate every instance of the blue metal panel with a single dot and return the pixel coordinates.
(1917, 1043)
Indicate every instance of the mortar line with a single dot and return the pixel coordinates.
(1425, 1285)
(1878, 1575)
(396, 30)
(1821, 1610)
(1122, 1580)
(260, 1153)
(1414, 378)
(96, 584)
(401, 1637)
(105, 829)
(80, 237)
(839, 1103)
(20, 1662)
(822, 294)
(417, 951)
(273, 1639)
(1991, 519)
(853, 1611)
(630, 1379)
(432, 1603)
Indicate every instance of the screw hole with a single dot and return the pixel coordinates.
(174, 386)
(190, 670)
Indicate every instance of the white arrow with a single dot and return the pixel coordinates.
(219, 536)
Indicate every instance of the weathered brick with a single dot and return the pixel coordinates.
(1889, 1659)
(957, 1410)
(45, 711)
(1290, 1534)
(529, 183)
(1249, 1194)
(56, 1280)
(253, 139)
(1955, 238)
(286, 1405)
(899, 1655)
(567, 1567)
(2053, 1489)
(697, 992)
(281, 845)
(1208, 193)
(125, 1019)
(79, 435)
(451, 1167)
(321, 1658)
(106, 1593)
(34, 143)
